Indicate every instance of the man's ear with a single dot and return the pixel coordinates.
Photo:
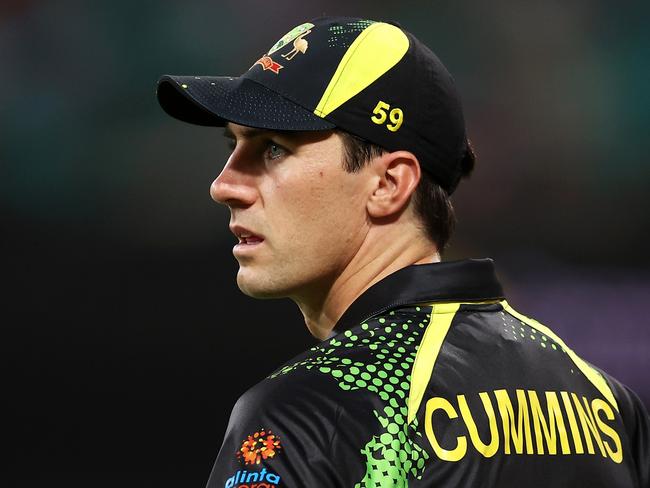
(398, 174)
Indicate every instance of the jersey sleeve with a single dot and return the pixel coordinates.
(283, 435)
(337, 414)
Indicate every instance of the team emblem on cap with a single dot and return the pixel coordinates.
(268, 64)
(300, 45)
(295, 33)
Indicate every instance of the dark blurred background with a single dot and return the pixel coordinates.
(126, 339)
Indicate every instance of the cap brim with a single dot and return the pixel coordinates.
(215, 101)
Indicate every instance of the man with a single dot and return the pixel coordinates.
(347, 140)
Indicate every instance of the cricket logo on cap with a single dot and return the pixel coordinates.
(296, 34)
(267, 63)
(300, 45)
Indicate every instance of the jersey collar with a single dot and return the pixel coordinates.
(455, 281)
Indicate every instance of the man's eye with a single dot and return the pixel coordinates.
(274, 151)
(231, 144)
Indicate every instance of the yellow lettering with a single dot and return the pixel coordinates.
(459, 451)
(575, 433)
(488, 450)
(588, 425)
(598, 405)
(380, 113)
(508, 420)
(396, 116)
(548, 430)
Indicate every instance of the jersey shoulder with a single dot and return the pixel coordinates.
(341, 404)
(500, 394)
(369, 367)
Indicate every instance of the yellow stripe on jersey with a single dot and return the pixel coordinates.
(376, 50)
(442, 315)
(592, 375)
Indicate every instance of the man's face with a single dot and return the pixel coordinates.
(299, 216)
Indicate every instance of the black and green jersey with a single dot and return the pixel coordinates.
(432, 379)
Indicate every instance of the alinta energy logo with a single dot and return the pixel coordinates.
(257, 447)
(260, 445)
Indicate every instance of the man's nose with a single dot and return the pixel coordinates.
(233, 188)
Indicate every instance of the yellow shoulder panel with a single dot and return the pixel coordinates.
(442, 315)
(592, 375)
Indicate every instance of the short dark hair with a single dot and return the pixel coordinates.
(432, 203)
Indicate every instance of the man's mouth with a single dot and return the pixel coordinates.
(245, 236)
(249, 239)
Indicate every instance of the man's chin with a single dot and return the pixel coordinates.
(257, 287)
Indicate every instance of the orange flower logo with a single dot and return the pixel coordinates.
(260, 445)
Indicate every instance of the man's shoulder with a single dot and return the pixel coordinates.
(350, 390)
(359, 370)
(352, 357)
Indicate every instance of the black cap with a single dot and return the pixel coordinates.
(372, 79)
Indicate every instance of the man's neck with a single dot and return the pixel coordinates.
(370, 265)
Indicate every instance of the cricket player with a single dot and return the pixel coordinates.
(347, 141)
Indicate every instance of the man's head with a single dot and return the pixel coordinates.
(336, 126)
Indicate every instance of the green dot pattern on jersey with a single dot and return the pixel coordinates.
(516, 330)
(392, 340)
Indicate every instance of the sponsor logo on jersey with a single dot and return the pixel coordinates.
(521, 422)
(259, 446)
(253, 479)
